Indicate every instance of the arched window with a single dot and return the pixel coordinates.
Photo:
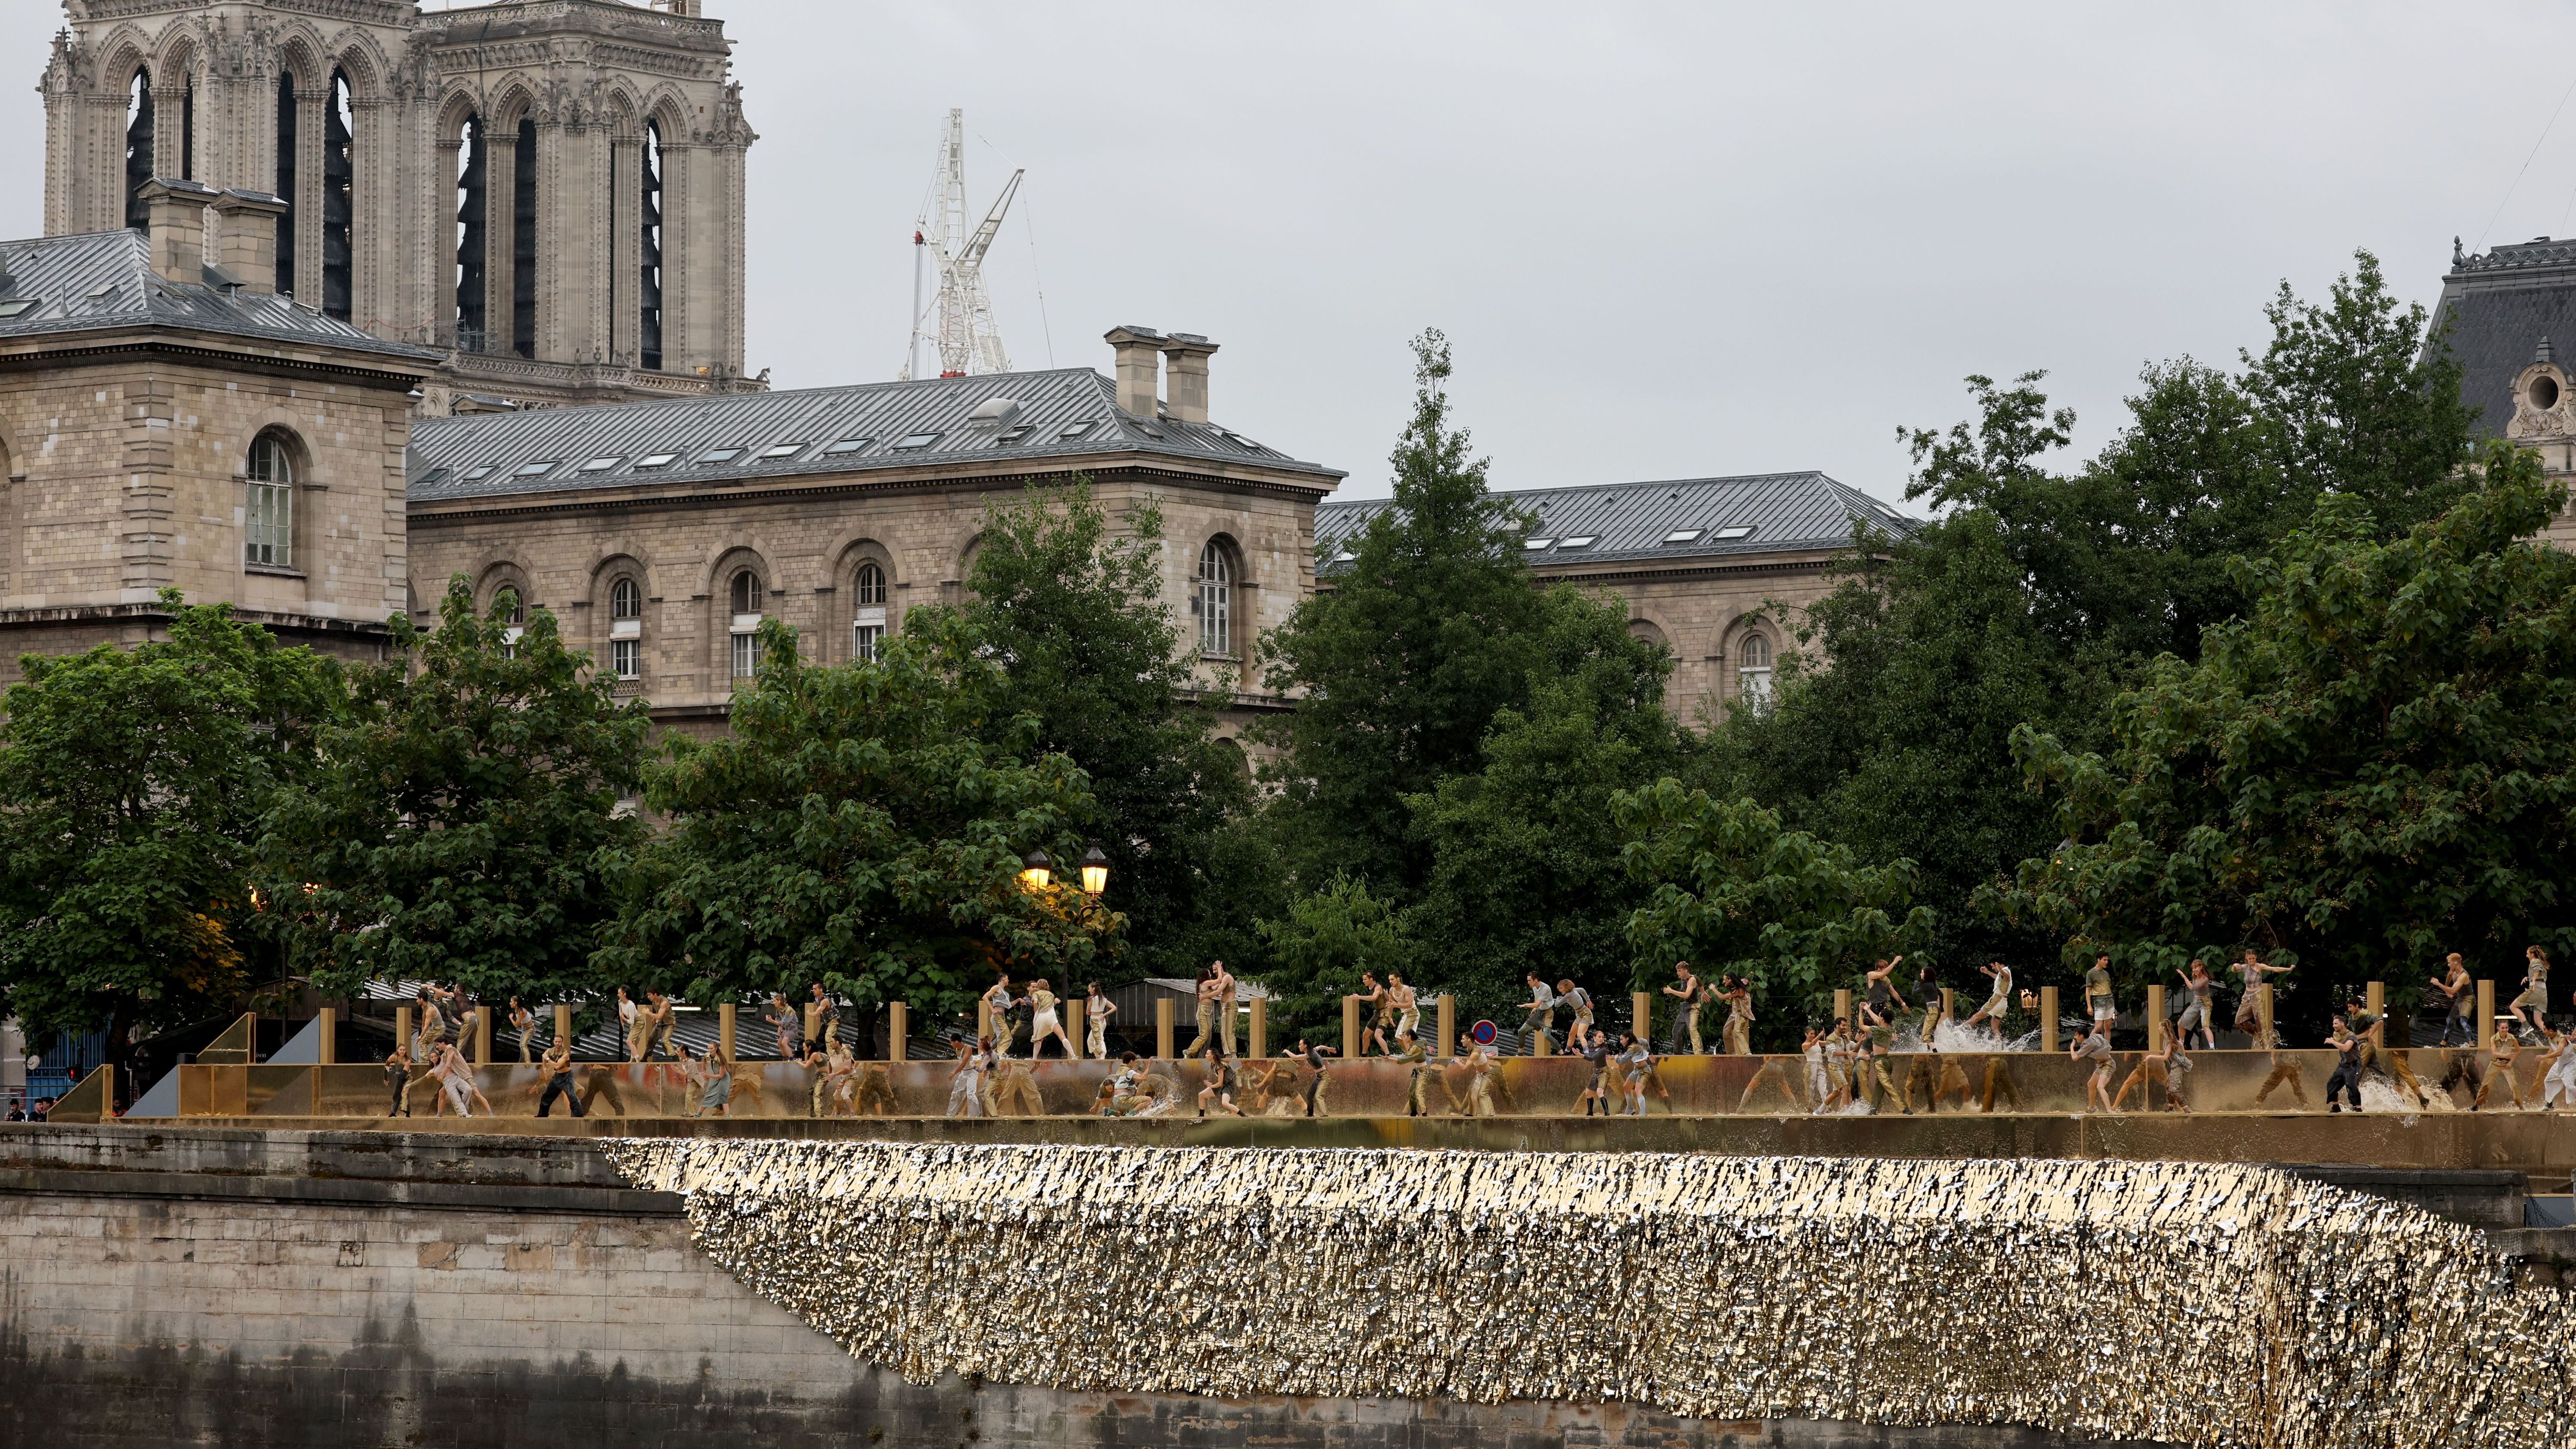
(138, 150)
(268, 504)
(1753, 670)
(471, 168)
(1216, 602)
(514, 609)
(744, 595)
(339, 197)
(868, 624)
(523, 241)
(626, 629)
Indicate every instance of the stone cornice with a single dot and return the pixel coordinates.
(122, 345)
(703, 496)
(155, 609)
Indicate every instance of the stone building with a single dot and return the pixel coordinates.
(661, 534)
(1711, 568)
(549, 192)
(167, 421)
(2508, 312)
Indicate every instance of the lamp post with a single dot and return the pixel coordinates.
(1095, 870)
(1036, 870)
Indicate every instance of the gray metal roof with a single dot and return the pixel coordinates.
(1066, 413)
(1627, 522)
(2499, 306)
(101, 280)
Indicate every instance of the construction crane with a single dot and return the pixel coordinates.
(968, 338)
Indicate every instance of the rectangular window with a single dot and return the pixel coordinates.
(746, 655)
(626, 657)
(847, 445)
(871, 639)
(271, 510)
(783, 450)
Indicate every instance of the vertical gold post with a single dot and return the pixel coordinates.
(1842, 1004)
(2374, 996)
(2155, 1018)
(1448, 1019)
(483, 1036)
(327, 1036)
(2048, 1018)
(1163, 1028)
(563, 1023)
(724, 1028)
(1256, 1042)
(402, 1031)
(1350, 1028)
(1073, 1024)
(1949, 1004)
(1641, 1014)
(2486, 1014)
(898, 1032)
(983, 1018)
(2263, 1012)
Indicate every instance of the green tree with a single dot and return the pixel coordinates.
(862, 826)
(1070, 602)
(2375, 767)
(1319, 946)
(1734, 893)
(463, 819)
(128, 793)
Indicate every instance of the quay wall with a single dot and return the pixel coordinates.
(254, 1289)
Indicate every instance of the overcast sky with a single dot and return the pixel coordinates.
(1664, 241)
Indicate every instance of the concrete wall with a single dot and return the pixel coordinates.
(251, 1289)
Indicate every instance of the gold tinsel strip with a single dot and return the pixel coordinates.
(2187, 1303)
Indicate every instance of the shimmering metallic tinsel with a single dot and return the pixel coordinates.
(2188, 1303)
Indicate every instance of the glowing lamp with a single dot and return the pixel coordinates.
(1095, 871)
(1036, 870)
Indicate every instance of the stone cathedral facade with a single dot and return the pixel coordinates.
(547, 192)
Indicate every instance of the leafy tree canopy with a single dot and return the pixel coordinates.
(862, 826)
(456, 825)
(2376, 767)
(1319, 946)
(128, 791)
(1733, 892)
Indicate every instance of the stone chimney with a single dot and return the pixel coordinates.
(1185, 359)
(178, 227)
(244, 241)
(1136, 348)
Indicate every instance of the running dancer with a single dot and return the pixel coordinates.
(2095, 1048)
(2460, 996)
(1998, 1007)
(2348, 1048)
(1539, 1014)
(2531, 1008)
(1045, 1023)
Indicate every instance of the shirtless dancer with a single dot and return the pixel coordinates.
(1408, 1011)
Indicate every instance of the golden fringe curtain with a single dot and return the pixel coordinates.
(2189, 1303)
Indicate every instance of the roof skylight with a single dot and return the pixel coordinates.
(1684, 535)
(601, 465)
(1535, 544)
(719, 455)
(917, 440)
(18, 306)
(432, 476)
(783, 450)
(485, 471)
(1581, 540)
(846, 445)
(538, 469)
(1013, 435)
(657, 460)
(1075, 430)
(1735, 530)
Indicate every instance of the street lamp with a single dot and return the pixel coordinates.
(1095, 870)
(1036, 870)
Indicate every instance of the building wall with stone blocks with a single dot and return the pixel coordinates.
(128, 473)
(615, 91)
(806, 540)
(1704, 616)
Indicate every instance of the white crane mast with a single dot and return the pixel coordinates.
(968, 339)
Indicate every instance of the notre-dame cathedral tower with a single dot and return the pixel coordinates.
(549, 191)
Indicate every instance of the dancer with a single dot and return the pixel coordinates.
(782, 1024)
(966, 1079)
(630, 1025)
(433, 1026)
(526, 1023)
(2249, 997)
(554, 1070)
(1774, 1070)
(1598, 1051)
(2348, 1048)
(2095, 1048)
(1685, 993)
(656, 1017)
(1379, 1015)
(1880, 1042)
(398, 1082)
(2097, 994)
(1416, 1102)
(1203, 991)
(1408, 1009)
(1640, 1064)
(1217, 1084)
(717, 1096)
(1480, 1068)
(876, 1091)
(1999, 1079)
(2376, 1052)
(1927, 990)
(2151, 1067)
(1096, 1011)
(1998, 1008)
(1820, 1080)
(1883, 995)
(840, 1071)
(1840, 1068)
(1539, 1014)
(2531, 1008)
(2558, 1071)
(1042, 1004)
(818, 1079)
(466, 1014)
(2177, 1076)
(998, 1000)
(2283, 1070)
(1225, 1006)
(1738, 996)
(1313, 1058)
(459, 1079)
(822, 1015)
(2198, 992)
(2460, 995)
(1118, 1095)
(1012, 1090)
(1578, 1001)
(2503, 1053)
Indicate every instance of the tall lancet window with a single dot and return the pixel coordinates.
(339, 198)
(138, 150)
(470, 211)
(1216, 601)
(286, 184)
(652, 220)
(523, 241)
(188, 131)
